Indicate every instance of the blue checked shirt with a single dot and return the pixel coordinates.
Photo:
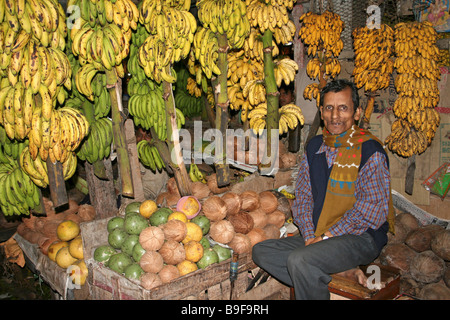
(371, 192)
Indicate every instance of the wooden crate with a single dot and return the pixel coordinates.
(211, 283)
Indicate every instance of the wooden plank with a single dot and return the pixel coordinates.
(57, 185)
(130, 136)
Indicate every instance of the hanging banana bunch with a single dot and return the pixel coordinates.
(321, 33)
(417, 87)
(373, 50)
(171, 27)
(188, 94)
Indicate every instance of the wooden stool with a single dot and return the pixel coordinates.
(342, 288)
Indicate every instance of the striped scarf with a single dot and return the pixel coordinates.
(340, 195)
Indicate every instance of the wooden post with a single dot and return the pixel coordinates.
(134, 160)
(58, 192)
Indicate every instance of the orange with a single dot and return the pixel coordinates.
(67, 230)
(194, 251)
(76, 248)
(178, 215)
(54, 248)
(63, 258)
(194, 232)
(186, 266)
(147, 208)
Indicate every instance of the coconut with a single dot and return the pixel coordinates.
(407, 220)
(397, 255)
(268, 201)
(212, 185)
(434, 291)
(151, 261)
(168, 273)
(420, 239)
(242, 222)
(86, 212)
(259, 218)
(151, 238)
(441, 244)
(172, 252)
(232, 202)
(200, 190)
(241, 243)
(250, 200)
(214, 208)
(174, 229)
(256, 235)
(276, 218)
(427, 267)
(222, 231)
(150, 280)
(288, 160)
(272, 232)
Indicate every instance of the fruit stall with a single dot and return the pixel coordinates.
(146, 146)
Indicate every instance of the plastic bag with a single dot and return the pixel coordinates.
(439, 182)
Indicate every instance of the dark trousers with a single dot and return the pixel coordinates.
(308, 268)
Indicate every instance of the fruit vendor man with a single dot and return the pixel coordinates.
(343, 205)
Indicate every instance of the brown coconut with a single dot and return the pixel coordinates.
(214, 208)
(172, 252)
(256, 235)
(427, 267)
(150, 280)
(276, 218)
(200, 190)
(86, 212)
(434, 291)
(272, 232)
(259, 218)
(222, 231)
(168, 273)
(241, 243)
(232, 202)
(242, 222)
(407, 220)
(174, 229)
(151, 261)
(440, 244)
(397, 255)
(212, 185)
(151, 238)
(268, 201)
(288, 160)
(50, 228)
(249, 200)
(420, 239)
(401, 231)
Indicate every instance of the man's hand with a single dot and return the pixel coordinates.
(317, 239)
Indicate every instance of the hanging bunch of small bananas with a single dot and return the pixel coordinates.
(37, 169)
(272, 15)
(188, 95)
(253, 46)
(206, 51)
(290, 117)
(59, 137)
(97, 144)
(312, 91)
(101, 35)
(373, 50)
(18, 193)
(285, 70)
(322, 33)
(171, 27)
(416, 84)
(196, 174)
(225, 17)
(149, 156)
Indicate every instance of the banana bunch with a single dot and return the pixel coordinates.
(272, 15)
(171, 27)
(58, 137)
(290, 117)
(373, 51)
(312, 91)
(242, 70)
(405, 140)
(37, 169)
(18, 193)
(149, 156)
(285, 70)
(195, 174)
(253, 46)
(444, 58)
(206, 51)
(188, 94)
(225, 17)
(104, 32)
(97, 144)
(255, 93)
(193, 88)
(322, 32)
(416, 83)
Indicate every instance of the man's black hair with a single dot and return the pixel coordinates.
(339, 85)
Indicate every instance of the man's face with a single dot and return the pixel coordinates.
(337, 111)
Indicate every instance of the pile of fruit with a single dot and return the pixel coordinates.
(152, 245)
